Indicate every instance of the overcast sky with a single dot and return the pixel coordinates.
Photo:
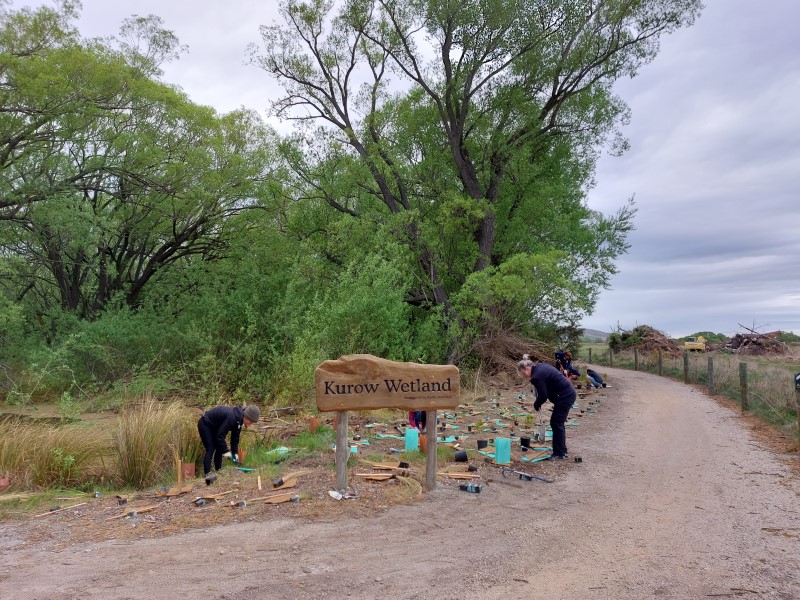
(714, 162)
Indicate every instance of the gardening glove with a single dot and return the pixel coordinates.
(226, 455)
(235, 458)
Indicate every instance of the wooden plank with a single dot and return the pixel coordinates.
(456, 475)
(288, 483)
(376, 476)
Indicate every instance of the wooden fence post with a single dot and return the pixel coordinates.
(590, 355)
(610, 357)
(711, 389)
(661, 362)
(635, 359)
(797, 406)
(743, 384)
(686, 367)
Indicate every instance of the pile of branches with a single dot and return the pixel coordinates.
(645, 339)
(753, 344)
(500, 352)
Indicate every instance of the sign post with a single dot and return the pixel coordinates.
(365, 382)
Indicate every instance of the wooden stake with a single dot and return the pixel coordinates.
(143, 509)
(179, 463)
(259, 483)
(52, 512)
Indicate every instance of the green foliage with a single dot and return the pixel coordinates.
(788, 337)
(148, 244)
(710, 337)
(69, 409)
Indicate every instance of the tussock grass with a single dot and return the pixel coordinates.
(41, 455)
(146, 440)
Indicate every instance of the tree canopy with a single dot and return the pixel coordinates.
(430, 195)
(472, 130)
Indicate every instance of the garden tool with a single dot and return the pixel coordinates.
(523, 475)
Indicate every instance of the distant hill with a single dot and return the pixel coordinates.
(594, 333)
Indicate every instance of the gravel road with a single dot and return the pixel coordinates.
(675, 498)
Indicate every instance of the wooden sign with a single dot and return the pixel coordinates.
(366, 382)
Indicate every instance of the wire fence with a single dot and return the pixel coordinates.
(764, 387)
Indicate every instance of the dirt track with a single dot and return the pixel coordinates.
(674, 499)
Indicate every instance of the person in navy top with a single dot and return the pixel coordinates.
(550, 384)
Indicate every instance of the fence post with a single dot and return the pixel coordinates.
(590, 355)
(797, 406)
(635, 359)
(610, 357)
(661, 362)
(743, 384)
(711, 389)
(686, 367)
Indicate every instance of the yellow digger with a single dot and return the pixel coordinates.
(697, 344)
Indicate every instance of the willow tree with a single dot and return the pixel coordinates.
(110, 177)
(476, 124)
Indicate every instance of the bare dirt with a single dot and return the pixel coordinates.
(677, 496)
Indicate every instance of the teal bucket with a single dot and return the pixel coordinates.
(412, 439)
(502, 451)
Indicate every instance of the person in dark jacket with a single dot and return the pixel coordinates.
(594, 378)
(550, 384)
(214, 426)
(564, 363)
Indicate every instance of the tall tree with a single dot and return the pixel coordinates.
(464, 118)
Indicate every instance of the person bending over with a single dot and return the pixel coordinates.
(214, 426)
(594, 378)
(550, 384)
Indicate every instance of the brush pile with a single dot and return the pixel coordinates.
(753, 344)
(500, 352)
(645, 339)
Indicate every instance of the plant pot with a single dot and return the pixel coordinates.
(423, 444)
(242, 456)
(5, 481)
(482, 444)
(189, 470)
(314, 423)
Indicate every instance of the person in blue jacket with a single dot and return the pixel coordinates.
(550, 384)
(564, 363)
(214, 426)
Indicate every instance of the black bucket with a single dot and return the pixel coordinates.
(461, 456)
(482, 444)
(525, 442)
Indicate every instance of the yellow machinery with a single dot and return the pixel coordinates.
(695, 343)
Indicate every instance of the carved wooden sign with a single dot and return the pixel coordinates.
(366, 382)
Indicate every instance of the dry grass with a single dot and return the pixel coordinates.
(45, 456)
(147, 440)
